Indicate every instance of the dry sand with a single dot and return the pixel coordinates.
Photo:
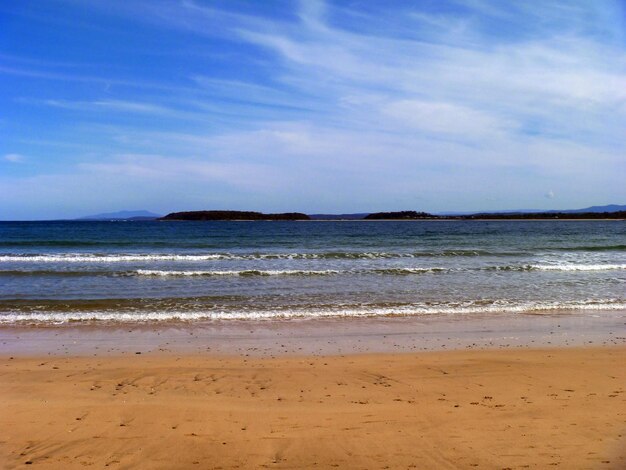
(549, 408)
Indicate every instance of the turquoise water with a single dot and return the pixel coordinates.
(56, 272)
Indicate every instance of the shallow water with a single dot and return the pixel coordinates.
(54, 272)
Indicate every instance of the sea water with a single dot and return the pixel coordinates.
(148, 271)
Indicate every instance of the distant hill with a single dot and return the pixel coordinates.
(233, 215)
(607, 208)
(586, 210)
(123, 215)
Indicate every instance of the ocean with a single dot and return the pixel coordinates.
(150, 271)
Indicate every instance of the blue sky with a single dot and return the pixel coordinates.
(313, 106)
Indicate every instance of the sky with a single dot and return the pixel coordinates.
(312, 106)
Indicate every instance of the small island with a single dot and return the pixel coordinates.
(233, 215)
(401, 215)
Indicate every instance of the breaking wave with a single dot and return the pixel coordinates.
(182, 314)
(140, 257)
(246, 272)
(560, 267)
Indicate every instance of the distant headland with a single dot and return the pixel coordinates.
(134, 215)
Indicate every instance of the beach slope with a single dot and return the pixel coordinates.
(549, 408)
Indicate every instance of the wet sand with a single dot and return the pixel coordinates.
(513, 392)
(326, 336)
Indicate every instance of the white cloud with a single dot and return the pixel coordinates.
(165, 170)
(540, 77)
(14, 158)
(112, 105)
(445, 118)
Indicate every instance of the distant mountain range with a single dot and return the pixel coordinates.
(586, 210)
(123, 215)
(608, 208)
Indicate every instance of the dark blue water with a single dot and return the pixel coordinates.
(55, 272)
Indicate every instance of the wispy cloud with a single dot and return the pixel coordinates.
(159, 168)
(115, 105)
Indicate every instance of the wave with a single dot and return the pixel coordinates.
(559, 267)
(465, 308)
(246, 272)
(91, 243)
(105, 258)
(408, 271)
(141, 257)
(579, 267)
(307, 255)
(44, 272)
(391, 271)
(130, 304)
(289, 272)
(217, 273)
(593, 248)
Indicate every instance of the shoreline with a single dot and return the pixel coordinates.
(321, 336)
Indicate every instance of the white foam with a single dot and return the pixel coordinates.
(251, 272)
(94, 258)
(466, 308)
(286, 272)
(132, 257)
(409, 270)
(118, 258)
(577, 267)
(125, 258)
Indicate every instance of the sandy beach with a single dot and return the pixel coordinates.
(314, 234)
(494, 408)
